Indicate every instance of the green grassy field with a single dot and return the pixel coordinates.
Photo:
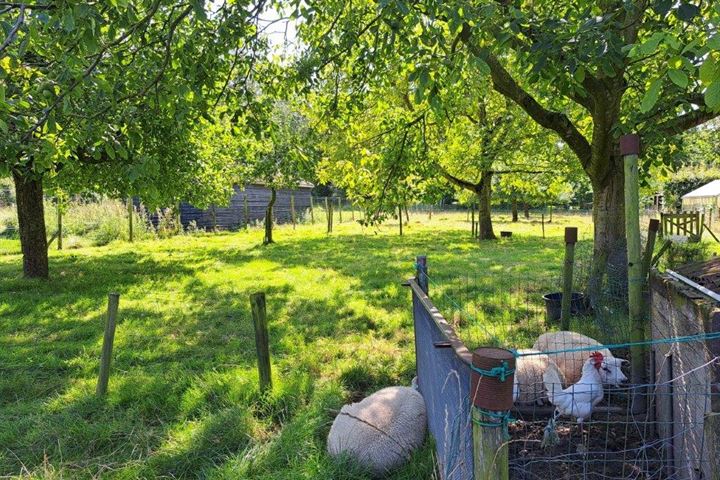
(183, 398)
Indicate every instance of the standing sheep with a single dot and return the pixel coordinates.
(571, 362)
(528, 385)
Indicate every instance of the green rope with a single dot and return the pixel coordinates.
(505, 418)
(502, 372)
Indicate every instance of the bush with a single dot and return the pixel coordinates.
(682, 253)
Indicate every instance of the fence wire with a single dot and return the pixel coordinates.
(660, 428)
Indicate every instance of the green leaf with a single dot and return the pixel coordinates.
(714, 42)
(110, 151)
(712, 96)
(708, 71)
(678, 77)
(68, 22)
(651, 96)
(580, 74)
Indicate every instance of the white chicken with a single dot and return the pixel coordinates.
(579, 399)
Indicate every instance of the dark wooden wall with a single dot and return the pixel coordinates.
(233, 216)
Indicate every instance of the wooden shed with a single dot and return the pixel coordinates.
(707, 196)
(247, 205)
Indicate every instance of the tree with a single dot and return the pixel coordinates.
(588, 71)
(287, 156)
(106, 95)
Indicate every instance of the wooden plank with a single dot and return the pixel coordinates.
(445, 328)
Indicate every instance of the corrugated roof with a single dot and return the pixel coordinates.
(711, 189)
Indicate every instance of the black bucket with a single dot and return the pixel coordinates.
(553, 305)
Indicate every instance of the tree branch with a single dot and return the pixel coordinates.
(13, 31)
(507, 86)
(685, 122)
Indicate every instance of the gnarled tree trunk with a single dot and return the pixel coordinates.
(609, 266)
(484, 193)
(269, 218)
(31, 221)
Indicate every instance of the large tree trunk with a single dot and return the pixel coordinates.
(269, 218)
(484, 193)
(609, 268)
(514, 210)
(31, 220)
(526, 209)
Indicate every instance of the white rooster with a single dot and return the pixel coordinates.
(577, 400)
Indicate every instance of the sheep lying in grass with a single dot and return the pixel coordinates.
(381, 431)
(571, 363)
(528, 385)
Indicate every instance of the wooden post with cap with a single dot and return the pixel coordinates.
(491, 394)
(630, 149)
(571, 235)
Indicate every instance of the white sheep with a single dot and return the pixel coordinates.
(528, 385)
(571, 363)
(381, 431)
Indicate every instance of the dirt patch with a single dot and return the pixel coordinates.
(612, 447)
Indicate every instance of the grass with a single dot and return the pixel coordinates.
(183, 398)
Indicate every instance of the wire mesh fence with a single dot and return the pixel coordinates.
(576, 415)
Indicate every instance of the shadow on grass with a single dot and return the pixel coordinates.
(183, 397)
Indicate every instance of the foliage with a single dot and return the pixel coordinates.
(107, 97)
(286, 154)
(683, 253)
(687, 180)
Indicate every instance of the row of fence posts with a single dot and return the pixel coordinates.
(246, 216)
(262, 342)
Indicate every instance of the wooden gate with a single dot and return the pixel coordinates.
(686, 224)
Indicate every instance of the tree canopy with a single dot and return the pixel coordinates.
(588, 71)
(108, 96)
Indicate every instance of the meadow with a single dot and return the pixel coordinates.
(183, 398)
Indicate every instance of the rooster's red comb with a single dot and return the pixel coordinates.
(597, 358)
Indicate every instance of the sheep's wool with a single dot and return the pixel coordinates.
(529, 387)
(570, 363)
(381, 431)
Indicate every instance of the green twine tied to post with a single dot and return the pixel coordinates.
(505, 418)
(502, 372)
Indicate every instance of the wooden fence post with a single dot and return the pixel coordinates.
(246, 211)
(430, 213)
(352, 212)
(131, 211)
(328, 214)
(59, 225)
(472, 221)
(491, 397)
(543, 224)
(630, 149)
(650, 247)
(400, 218)
(108, 339)
(292, 209)
(262, 342)
(421, 273)
(312, 211)
(571, 234)
(340, 210)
